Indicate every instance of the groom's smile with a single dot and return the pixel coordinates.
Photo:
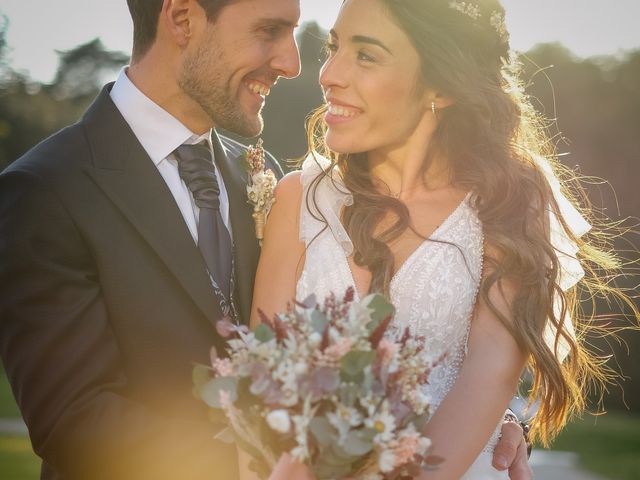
(234, 60)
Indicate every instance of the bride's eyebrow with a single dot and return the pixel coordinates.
(370, 41)
(363, 39)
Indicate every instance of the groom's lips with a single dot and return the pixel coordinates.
(259, 90)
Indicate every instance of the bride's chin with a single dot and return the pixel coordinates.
(342, 146)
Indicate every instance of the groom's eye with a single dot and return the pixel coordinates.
(272, 31)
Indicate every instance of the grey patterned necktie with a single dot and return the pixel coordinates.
(195, 165)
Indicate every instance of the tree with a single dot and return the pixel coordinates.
(82, 70)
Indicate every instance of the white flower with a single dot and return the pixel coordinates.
(314, 339)
(425, 444)
(279, 421)
(387, 461)
(384, 423)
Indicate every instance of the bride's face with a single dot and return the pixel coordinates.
(371, 82)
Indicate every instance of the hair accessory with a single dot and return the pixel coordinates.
(471, 10)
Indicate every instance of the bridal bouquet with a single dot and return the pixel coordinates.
(325, 384)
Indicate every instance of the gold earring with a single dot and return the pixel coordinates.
(433, 108)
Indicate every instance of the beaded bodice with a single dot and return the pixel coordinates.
(434, 291)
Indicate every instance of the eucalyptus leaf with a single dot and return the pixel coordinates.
(357, 444)
(324, 433)
(349, 394)
(310, 302)
(339, 456)
(210, 391)
(381, 309)
(201, 374)
(264, 333)
(319, 321)
(354, 363)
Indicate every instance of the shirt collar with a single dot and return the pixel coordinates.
(159, 132)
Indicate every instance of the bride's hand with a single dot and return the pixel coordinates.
(287, 469)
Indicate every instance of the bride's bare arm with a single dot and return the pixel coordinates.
(282, 256)
(474, 406)
(281, 261)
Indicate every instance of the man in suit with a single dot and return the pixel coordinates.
(109, 295)
(107, 301)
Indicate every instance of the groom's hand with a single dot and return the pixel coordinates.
(289, 469)
(511, 452)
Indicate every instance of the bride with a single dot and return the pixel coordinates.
(428, 180)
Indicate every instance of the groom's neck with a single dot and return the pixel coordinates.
(157, 77)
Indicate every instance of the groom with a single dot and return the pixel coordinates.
(108, 297)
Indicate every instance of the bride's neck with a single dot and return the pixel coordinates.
(402, 168)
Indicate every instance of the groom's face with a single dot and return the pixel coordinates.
(231, 66)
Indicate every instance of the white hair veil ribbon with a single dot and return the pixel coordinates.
(570, 269)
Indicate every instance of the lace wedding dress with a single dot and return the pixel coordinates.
(434, 291)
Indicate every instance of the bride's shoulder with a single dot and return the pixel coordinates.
(289, 189)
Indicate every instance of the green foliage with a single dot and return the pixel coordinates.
(17, 460)
(323, 431)
(210, 391)
(354, 363)
(264, 333)
(8, 407)
(382, 309)
(608, 445)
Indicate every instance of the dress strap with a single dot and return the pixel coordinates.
(324, 197)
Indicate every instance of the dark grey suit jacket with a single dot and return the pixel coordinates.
(106, 306)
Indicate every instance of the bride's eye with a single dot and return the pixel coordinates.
(329, 48)
(365, 57)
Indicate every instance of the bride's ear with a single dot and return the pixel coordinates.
(437, 100)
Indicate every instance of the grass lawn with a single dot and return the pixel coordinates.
(8, 407)
(608, 445)
(17, 460)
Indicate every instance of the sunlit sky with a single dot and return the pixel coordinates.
(37, 28)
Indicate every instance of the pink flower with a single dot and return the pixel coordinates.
(339, 350)
(225, 399)
(407, 449)
(386, 351)
(223, 367)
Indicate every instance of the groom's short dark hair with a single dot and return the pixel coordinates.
(145, 14)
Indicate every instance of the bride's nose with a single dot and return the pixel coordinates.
(334, 73)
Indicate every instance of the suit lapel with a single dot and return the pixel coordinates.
(126, 174)
(244, 238)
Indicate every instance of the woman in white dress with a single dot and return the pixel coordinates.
(428, 181)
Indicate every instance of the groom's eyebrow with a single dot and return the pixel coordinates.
(277, 22)
(364, 39)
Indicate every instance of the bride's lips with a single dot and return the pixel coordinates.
(340, 112)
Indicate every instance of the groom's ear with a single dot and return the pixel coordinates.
(179, 18)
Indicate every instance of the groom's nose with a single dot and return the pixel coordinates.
(286, 59)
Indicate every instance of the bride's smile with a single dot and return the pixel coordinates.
(372, 82)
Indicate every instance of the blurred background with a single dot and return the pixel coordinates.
(581, 64)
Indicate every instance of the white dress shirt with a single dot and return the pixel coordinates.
(160, 133)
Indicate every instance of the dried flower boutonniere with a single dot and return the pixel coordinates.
(261, 184)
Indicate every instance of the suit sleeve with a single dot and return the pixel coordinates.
(62, 357)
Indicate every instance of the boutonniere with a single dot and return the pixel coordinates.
(261, 184)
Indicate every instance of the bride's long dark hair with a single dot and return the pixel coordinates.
(494, 140)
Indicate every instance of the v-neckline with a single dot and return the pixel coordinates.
(410, 258)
